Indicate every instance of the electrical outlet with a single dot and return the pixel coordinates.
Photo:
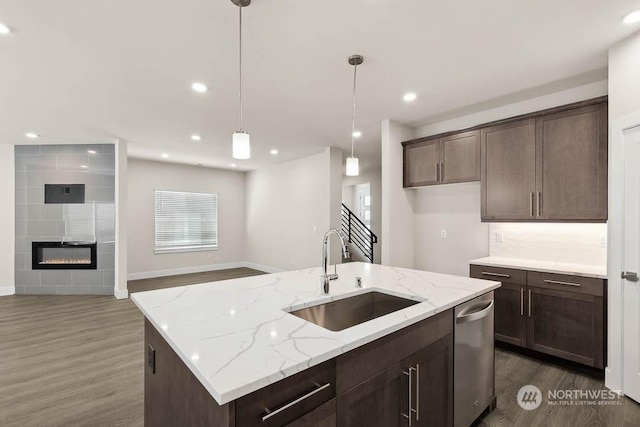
(443, 234)
(151, 358)
(499, 236)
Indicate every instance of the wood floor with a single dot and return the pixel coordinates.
(78, 361)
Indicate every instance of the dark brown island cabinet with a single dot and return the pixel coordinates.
(545, 166)
(555, 314)
(402, 379)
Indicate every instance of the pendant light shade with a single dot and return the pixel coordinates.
(241, 146)
(353, 169)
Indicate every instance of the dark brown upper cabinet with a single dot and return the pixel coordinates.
(571, 165)
(450, 159)
(509, 171)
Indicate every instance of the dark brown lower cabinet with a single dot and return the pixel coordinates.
(510, 316)
(408, 373)
(378, 401)
(567, 325)
(420, 387)
(556, 314)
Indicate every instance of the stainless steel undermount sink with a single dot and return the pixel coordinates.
(347, 312)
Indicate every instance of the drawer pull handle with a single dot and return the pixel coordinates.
(557, 282)
(298, 400)
(521, 301)
(408, 415)
(485, 273)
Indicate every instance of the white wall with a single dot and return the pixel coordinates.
(120, 268)
(143, 178)
(624, 99)
(397, 203)
(454, 208)
(350, 197)
(289, 208)
(7, 220)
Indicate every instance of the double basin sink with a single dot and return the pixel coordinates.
(351, 311)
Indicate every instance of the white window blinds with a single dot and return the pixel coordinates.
(186, 221)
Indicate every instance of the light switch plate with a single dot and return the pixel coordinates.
(443, 234)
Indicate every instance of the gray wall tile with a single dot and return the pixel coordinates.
(27, 277)
(87, 278)
(51, 211)
(56, 149)
(101, 290)
(106, 261)
(72, 162)
(35, 196)
(43, 228)
(71, 290)
(21, 179)
(102, 162)
(47, 162)
(41, 290)
(55, 278)
(23, 150)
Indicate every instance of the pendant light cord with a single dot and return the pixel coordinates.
(353, 112)
(240, 63)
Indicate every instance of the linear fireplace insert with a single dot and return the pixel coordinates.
(63, 256)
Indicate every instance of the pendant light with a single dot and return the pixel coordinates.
(353, 168)
(241, 139)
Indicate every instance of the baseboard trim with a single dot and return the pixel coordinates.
(7, 290)
(121, 293)
(183, 270)
(264, 268)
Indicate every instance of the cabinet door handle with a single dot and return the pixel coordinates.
(441, 171)
(417, 410)
(318, 389)
(521, 301)
(557, 282)
(486, 273)
(530, 302)
(437, 172)
(539, 203)
(531, 197)
(409, 373)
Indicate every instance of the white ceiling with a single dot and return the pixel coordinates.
(85, 70)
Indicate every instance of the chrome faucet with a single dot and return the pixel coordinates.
(325, 278)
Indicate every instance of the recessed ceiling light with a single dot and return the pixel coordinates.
(357, 134)
(4, 29)
(409, 96)
(274, 151)
(84, 166)
(31, 135)
(196, 137)
(632, 18)
(91, 151)
(165, 156)
(233, 165)
(199, 87)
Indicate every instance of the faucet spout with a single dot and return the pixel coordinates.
(325, 278)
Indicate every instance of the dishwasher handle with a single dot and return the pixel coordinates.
(474, 313)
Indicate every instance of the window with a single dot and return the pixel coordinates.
(186, 221)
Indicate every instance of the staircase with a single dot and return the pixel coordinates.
(360, 237)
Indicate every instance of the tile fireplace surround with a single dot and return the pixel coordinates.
(91, 165)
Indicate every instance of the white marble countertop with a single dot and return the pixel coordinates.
(596, 271)
(237, 336)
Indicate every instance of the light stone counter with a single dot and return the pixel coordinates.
(595, 271)
(237, 336)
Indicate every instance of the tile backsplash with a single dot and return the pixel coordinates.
(570, 243)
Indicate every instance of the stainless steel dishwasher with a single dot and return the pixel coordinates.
(474, 369)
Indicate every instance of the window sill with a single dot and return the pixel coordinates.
(186, 249)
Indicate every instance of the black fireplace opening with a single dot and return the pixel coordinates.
(64, 256)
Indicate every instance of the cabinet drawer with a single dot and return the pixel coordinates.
(566, 283)
(499, 274)
(365, 362)
(289, 399)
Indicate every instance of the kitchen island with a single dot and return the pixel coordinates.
(222, 351)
